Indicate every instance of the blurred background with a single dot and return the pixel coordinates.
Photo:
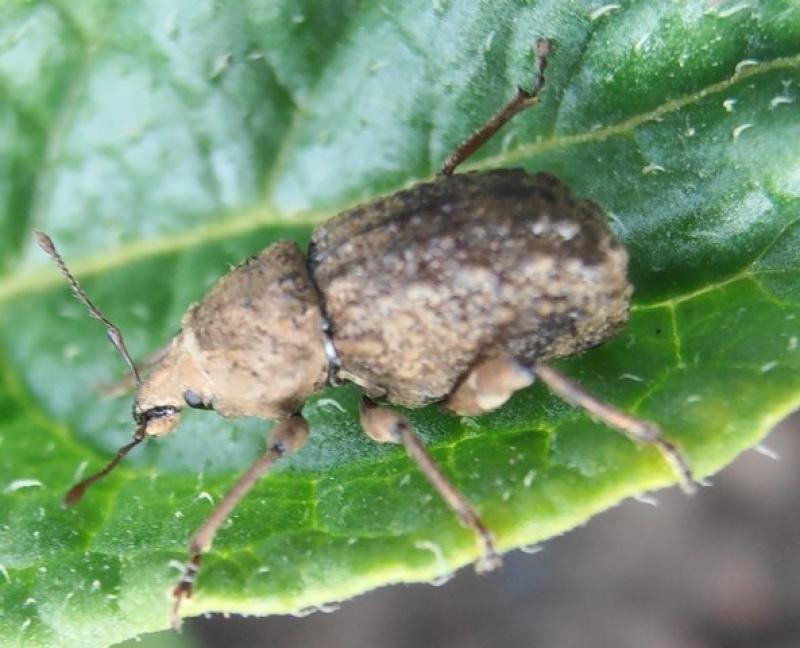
(720, 570)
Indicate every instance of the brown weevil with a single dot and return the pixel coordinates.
(457, 291)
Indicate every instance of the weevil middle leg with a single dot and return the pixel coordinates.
(385, 425)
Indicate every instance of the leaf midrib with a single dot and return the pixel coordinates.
(40, 279)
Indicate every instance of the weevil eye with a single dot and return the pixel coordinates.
(192, 399)
(196, 402)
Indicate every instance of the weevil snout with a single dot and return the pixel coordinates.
(157, 421)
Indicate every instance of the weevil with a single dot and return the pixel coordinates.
(458, 291)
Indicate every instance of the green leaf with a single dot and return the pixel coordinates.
(160, 142)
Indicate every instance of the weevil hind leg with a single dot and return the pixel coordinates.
(634, 428)
(491, 383)
(488, 385)
(287, 436)
(522, 100)
(385, 425)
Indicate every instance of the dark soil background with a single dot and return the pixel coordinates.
(720, 570)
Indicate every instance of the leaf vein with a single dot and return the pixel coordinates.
(40, 280)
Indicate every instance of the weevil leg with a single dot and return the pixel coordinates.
(634, 428)
(522, 100)
(488, 385)
(387, 426)
(288, 436)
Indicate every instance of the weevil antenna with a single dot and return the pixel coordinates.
(114, 334)
(75, 493)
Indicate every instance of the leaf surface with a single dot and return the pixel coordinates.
(161, 142)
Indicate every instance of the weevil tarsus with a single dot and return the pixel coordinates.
(288, 435)
(522, 100)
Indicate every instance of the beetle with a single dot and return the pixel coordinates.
(457, 291)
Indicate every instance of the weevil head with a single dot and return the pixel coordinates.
(253, 347)
(158, 420)
(157, 409)
(175, 382)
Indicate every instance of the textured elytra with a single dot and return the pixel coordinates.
(421, 285)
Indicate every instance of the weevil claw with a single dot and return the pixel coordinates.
(488, 562)
(688, 484)
(177, 595)
(183, 589)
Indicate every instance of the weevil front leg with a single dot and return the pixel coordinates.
(384, 425)
(288, 436)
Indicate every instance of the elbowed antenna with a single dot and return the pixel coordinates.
(75, 493)
(114, 334)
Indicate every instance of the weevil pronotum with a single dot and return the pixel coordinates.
(456, 291)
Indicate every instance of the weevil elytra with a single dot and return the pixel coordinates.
(456, 291)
